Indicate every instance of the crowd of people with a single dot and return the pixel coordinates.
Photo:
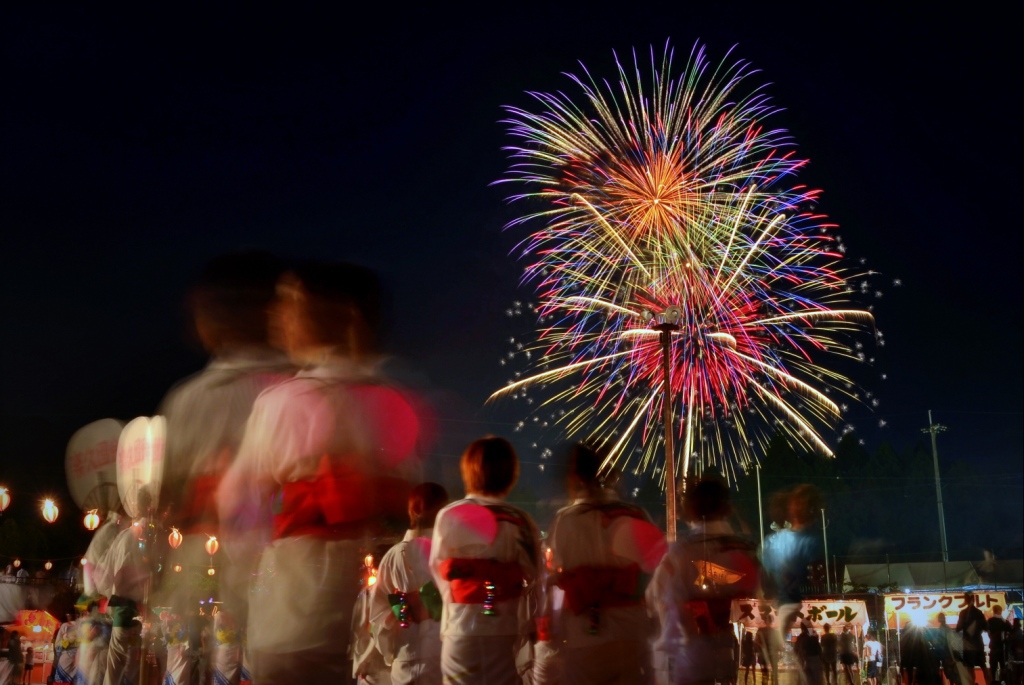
(296, 451)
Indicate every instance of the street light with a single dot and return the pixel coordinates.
(667, 324)
(934, 429)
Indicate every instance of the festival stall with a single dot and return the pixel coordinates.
(751, 614)
(922, 608)
(36, 629)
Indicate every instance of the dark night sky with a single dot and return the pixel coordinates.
(138, 143)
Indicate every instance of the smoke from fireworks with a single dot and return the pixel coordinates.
(669, 199)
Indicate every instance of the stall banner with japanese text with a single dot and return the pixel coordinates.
(758, 614)
(921, 608)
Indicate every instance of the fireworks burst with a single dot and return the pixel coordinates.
(668, 199)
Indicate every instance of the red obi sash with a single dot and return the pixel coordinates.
(470, 578)
(336, 503)
(587, 587)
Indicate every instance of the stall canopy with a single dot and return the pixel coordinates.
(936, 575)
(752, 613)
(35, 625)
(915, 576)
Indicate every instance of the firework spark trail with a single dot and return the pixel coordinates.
(671, 192)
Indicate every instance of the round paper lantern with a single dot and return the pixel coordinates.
(84, 561)
(5, 499)
(92, 520)
(177, 568)
(212, 546)
(50, 510)
(17, 563)
(48, 565)
(175, 538)
(211, 571)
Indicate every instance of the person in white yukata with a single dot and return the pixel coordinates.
(315, 449)
(206, 416)
(603, 552)
(485, 559)
(692, 590)
(405, 605)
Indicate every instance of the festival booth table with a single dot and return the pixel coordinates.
(922, 608)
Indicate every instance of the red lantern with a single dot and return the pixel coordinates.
(212, 546)
(92, 520)
(50, 511)
(175, 538)
(5, 499)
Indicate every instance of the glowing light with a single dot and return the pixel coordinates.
(48, 565)
(17, 563)
(177, 568)
(5, 499)
(212, 546)
(368, 561)
(175, 538)
(84, 561)
(372, 580)
(50, 510)
(211, 571)
(92, 520)
(670, 193)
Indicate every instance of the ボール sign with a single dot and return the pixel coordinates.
(921, 608)
(754, 613)
(140, 461)
(90, 463)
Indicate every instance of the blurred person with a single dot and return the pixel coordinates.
(1016, 651)
(948, 648)
(15, 657)
(65, 651)
(769, 650)
(404, 608)
(368, 667)
(790, 551)
(693, 587)
(603, 552)
(829, 654)
(971, 624)
(748, 660)
(872, 652)
(485, 559)
(94, 629)
(808, 650)
(998, 632)
(207, 412)
(129, 578)
(30, 663)
(315, 449)
(916, 661)
(848, 654)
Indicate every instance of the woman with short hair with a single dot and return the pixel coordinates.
(485, 557)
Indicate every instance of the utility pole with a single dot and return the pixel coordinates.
(824, 533)
(667, 328)
(760, 507)
(934, 428)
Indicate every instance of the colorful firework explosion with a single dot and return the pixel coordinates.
(670, 199)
